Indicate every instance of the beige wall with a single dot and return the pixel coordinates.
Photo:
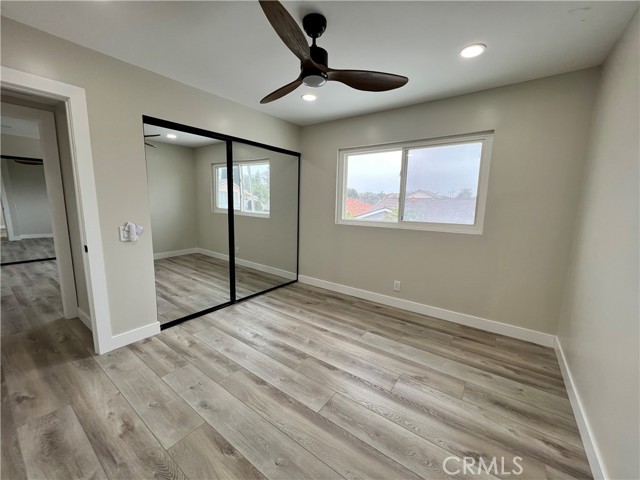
(171, 173)
(26, 188)
(513, 273)
(599, 325)
(267, 241)
(118, 94)
(213, 230)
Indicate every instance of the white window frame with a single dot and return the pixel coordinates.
(486, 138)
(214, 188)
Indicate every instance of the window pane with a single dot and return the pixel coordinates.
(373, 186)
(442, 184)
(221, 179)
(255, 182)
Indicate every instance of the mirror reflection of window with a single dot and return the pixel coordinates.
(251, 187)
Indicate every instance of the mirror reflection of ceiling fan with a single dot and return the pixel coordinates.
(150, 136)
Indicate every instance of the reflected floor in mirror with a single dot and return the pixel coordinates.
(27, 249)
(191, 283)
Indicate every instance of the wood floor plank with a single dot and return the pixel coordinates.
(414, 452)
(158, 356)
(279, 351)
(327, 353)
(32, 390)
(520, 437)
(556, 426)
(123, 443)
(543, 381)
(343, 452)
(12, 463)
(522, 359)
(419, 419)
(383, 359)
(342, 311)
(510, 388)
(55, 446)
(271, 300)
(421, 323)
(165, 413)
(262, 444)
(205, 358)
(205, 455)
(305, 390)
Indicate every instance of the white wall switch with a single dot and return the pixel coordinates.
(396, 285)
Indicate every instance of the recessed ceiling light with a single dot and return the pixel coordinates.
(171, 136)
(473, 50)
(309, 97)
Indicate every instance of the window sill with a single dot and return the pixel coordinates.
(425, 227)
(242, 214)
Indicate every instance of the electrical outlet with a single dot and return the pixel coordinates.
(396, 285)
(237, 250)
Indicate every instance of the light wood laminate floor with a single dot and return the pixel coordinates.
(188, 284)
(27, 249)
(298, 383)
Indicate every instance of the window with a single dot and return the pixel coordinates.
(251, 188)
(438, 185)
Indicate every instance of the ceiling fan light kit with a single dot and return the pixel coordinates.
(314, 64)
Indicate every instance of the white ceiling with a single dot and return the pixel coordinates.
(229, 48)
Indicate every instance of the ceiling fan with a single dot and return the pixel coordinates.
(150, 136)
(314, 69)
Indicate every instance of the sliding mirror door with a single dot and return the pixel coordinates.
(265, 203)
(190, 239)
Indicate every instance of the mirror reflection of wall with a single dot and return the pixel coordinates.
(266, 218)
(26, 213)
(187, 280)
(189, 188)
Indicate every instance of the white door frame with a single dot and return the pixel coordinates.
(6, 205)
(55, 194)
(75, 102)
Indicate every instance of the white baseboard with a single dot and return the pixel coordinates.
(132, 336)
(175, 253)
(25, 236)
(246, 263)
(588, 439)
(84, 318)
(520, 333)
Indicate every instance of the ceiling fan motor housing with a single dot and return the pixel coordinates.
(314, 24)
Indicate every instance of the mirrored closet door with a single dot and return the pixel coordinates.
(224, 218)
(265, 184)
(190, 243)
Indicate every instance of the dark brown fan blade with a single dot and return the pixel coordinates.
(286, 28)
(282, 91)
(366, 80)
(149, 145)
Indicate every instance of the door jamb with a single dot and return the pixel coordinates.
(55, 195)
(75, 102)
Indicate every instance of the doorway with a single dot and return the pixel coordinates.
(33, 199)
